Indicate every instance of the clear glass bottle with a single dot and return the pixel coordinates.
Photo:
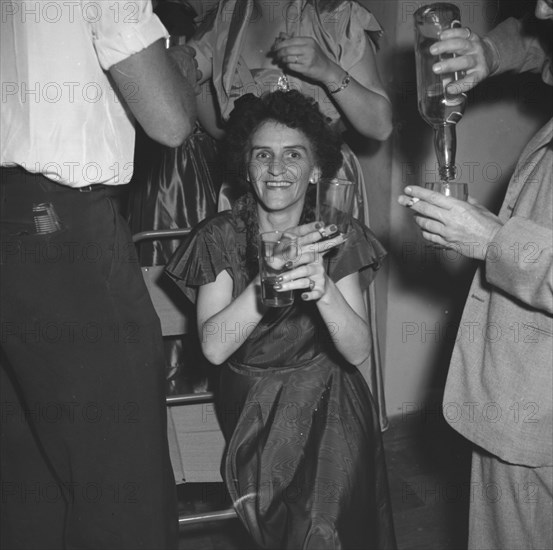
(441, 109)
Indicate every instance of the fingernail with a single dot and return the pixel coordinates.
(277, 286)
(437, 68)
(288, 264)
(304, 296)
(280, 279)
(318, 225)
(333, 228)
(453, 90)
(408, 189)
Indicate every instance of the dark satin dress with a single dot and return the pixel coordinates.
(304, 463)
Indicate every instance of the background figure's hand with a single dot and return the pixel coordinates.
(466, 226)
(185, 58)
(307, 270)
(473, 57)
(302, 55)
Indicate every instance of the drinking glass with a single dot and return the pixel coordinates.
(335, 203)
(275, 250)
(450, 189)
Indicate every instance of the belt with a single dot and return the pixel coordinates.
(20, 175)
(94, 187)
(60, 188)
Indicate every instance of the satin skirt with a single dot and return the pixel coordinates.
(305, 463)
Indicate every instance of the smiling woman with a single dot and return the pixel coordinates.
(292, 110)
(304, 462)
(281, 165)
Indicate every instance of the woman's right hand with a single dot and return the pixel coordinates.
(473, 56)
(310, 233)
(306, 271)
(304, 56)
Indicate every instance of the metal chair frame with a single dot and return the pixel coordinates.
(176, 325)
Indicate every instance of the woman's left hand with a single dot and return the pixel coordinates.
(307, 270)
(304, 56)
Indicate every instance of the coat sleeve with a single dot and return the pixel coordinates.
(516, 47)
(521, 263)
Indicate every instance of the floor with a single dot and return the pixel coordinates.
(428, 467)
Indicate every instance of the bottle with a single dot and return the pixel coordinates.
(439, 108)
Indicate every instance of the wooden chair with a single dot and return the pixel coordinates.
(196, 442)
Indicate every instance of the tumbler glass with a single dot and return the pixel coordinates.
(275, 250)
(335, 203)
(450, 189)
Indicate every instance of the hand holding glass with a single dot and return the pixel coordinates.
(275, 250)
(450, 189)
(335, 203)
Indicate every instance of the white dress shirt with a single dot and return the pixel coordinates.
(60, 113)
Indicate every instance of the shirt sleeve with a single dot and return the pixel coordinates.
(121, 28)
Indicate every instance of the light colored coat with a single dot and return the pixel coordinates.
(499, 391)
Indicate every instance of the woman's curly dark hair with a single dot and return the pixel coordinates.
(291, 109)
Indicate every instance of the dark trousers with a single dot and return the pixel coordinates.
(85, 461)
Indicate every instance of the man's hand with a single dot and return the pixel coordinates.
(473, 56)
(185, 58)
(466, 226)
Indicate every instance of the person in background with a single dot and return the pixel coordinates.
(81, 343)
(511, 504)
(322, 48)
(304, 463)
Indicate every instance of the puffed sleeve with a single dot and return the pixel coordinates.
(353, 23)
(361, 253)
(206, 252)
(121, 28)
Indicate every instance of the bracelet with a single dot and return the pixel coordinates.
(345, 83)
